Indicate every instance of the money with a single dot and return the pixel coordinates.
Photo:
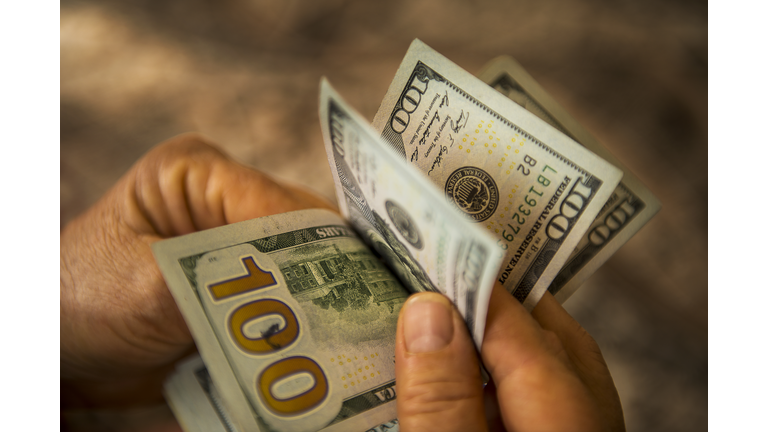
(529, 185)
(294, 317)
(423, 239)
(194, 400)
(630, 206)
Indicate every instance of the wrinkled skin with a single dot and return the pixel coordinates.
(121, 331)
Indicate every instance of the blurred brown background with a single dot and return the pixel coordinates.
(245, 73)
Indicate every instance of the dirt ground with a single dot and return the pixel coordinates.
(246, 74)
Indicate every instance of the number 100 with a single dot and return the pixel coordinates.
(272, 341)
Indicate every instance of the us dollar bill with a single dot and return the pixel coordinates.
(196, 403)
(400, 213)
(294, 317)
(510, 173)
(194, 399)
(630, 206)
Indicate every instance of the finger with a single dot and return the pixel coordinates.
(186, 184)
(169, 191)
(513, 339)
(532, 372)
(249, 194)
(438, 375)
(585, 356)
(579, 345)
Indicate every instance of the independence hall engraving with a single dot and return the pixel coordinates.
(343, 280)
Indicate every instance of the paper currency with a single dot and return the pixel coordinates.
(194, 400)
(525, 182)
(425, 241)
(631, 204)
(294, 317)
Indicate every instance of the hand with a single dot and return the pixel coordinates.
(547, 372)
(121, 331)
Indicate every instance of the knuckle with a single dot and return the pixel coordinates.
(172, 159)
(589, 347)
(187, 145)
(554, 344)
(440, 400)
(436, 396)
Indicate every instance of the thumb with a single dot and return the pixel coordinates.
(438, 375)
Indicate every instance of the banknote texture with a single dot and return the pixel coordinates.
(425, 241)
(529, 185)
(295, 317)
(630, 206)
(195, 401)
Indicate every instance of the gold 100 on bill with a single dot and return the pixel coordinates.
(532, 187)
(294, 318)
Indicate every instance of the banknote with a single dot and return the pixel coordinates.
(294, 317)
(195, 401)
(631, 204)
(405, 218)
(510, 173)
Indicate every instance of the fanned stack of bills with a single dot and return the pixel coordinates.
(294, 315)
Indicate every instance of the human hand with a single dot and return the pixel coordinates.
(548, 374)
(121, 331)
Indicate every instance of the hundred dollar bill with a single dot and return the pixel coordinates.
(295, 319)
(631, 204)
(425, 241)
(194, 400)
(509, 172)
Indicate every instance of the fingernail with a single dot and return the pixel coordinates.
(427, 323)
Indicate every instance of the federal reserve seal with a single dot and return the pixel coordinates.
(474, 192)
(404, 224)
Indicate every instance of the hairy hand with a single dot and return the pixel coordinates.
(121, 331)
